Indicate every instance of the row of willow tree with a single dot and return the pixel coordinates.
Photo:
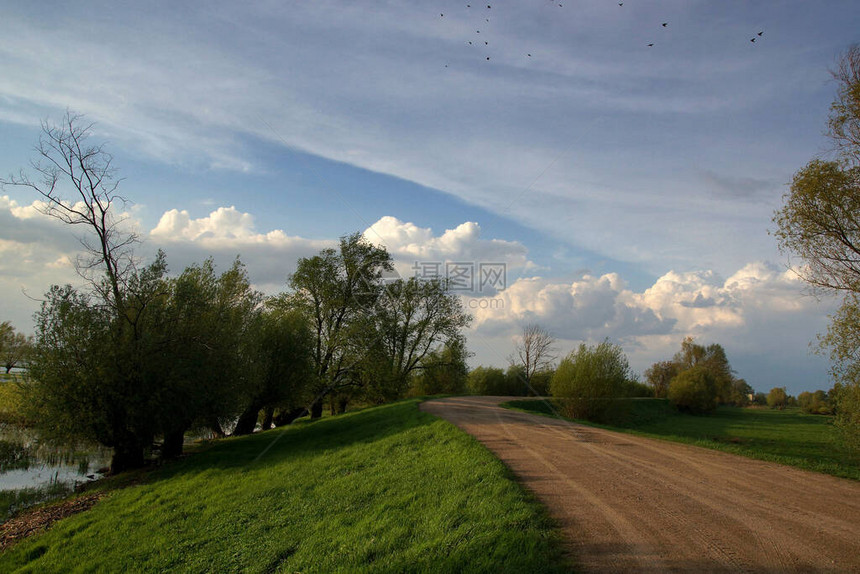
(139, 355)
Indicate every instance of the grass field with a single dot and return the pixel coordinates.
(387, 489)
(788, 437)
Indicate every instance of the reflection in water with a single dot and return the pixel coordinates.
(32, 471)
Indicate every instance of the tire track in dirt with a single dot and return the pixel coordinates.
(633, 504)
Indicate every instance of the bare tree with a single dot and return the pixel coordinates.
(78, 183)
(535, 351)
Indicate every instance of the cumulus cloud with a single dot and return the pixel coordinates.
(417, 250)
(589, 308)
(227, 233)
(759, 314)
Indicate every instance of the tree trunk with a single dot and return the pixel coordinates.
(268, 414)
(126, 457)
(287, 417)
(216, 429)
(247, 421)
(173, 443)
(316, 409)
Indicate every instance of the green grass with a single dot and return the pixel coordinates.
(9, 399)
(387, 489)
(787, 437)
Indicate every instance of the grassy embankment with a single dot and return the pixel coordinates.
(787, 437)
(386, 489)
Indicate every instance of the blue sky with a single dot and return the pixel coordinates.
(629, 188)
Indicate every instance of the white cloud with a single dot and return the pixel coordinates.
(759, 314)
(410, 245)
(226, 233)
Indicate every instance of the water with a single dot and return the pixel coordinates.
(28, 463)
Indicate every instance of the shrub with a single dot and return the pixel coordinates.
(777, 398)
(492, 381)
(847, 421)
(588, 377)
(635, 388)
(694, 391)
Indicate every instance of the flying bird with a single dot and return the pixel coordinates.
(752, 40)
(649, 45)
(760, 33)
(665, 24)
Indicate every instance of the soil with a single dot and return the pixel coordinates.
(633, 504)
(41, 518)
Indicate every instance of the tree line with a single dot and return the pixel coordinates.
(138, 355)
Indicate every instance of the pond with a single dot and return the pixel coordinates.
(32, 471)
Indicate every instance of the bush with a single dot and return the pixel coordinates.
(638, 389)
(540, 383)
(694, 391)
(817, 403)
(846, 398)
(492, 381)
(777, 398)
(588, 377)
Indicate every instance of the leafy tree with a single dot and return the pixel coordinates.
(633, 387)
(588, 376)
(77, 182)
(659, 375)
(408, 320)
(540, 382)
(279, 366)
(96, 377)
(777, 398)
(760, 399)
(711, 357)
(818, 225)
(333, 289)
(534, 351)
(846, 398)
(443, 371)
(694, 390)
(489, 381)
(741, 393)
(814, 403)
(14, 347)
(212, 328)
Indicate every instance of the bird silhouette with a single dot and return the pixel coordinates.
(752, 40)
(649, 45)
(665, 24)
(760, 33)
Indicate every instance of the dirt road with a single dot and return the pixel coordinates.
(631, 504)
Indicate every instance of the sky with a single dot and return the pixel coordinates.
(624, 172)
